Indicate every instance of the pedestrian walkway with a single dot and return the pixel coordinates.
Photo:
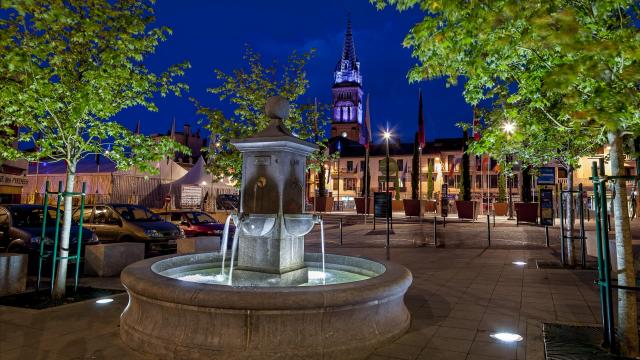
(458, 298)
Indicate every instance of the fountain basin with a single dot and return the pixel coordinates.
(175, 319)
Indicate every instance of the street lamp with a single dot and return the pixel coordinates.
(386, 134)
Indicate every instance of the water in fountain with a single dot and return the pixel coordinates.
(234, 247)
(324, 273)
(225, 241)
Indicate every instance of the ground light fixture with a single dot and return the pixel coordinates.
(104, 301)
(506, 337)
(519, 263)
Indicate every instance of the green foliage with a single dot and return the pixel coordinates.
(525, 187)
(430, 179)
(502, 187)
(366, 187)
(248, 89)
(415, 169)
(465, 176)
(560, 65)
(68, 67)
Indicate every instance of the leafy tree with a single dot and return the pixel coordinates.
(465, 176)
(248, 89)
(502, 187)
(66, 69)
(415, 169)
(579, 58)
(430, 178)
(366, 181)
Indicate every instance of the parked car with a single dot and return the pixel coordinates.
(21, 231)
(197, 223)
(131, 223)
(228, 201)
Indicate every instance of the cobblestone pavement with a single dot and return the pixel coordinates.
(458, 298)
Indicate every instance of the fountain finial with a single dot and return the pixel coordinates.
(277, 107)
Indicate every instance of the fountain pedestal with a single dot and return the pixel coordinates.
(271, 242)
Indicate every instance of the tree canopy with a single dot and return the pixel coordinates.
(248, 89)
(68, 67)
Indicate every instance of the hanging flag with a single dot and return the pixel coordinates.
(476, 124)
(421, 135)
(497, 168)
(452, 167)
(137, 131)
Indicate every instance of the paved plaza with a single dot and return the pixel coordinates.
(459, 296)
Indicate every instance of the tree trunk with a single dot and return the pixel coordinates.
(570, 220)
(61, 273)
(627, 330)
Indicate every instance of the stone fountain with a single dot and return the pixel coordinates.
(275, 301)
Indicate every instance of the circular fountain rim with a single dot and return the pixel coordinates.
(140, 278)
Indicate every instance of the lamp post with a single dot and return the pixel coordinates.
(509, 128)
(386, 136)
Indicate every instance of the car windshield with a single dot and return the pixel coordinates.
(136, 213)
(26, 217)
(200, 218)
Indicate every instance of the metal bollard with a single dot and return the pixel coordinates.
(488, 230)
(340, 231)
(444, 221)
(546, 235)
(494, 219)
(435, 231)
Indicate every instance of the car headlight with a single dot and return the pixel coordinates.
(152, 233)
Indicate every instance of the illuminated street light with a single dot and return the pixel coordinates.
(509, 128)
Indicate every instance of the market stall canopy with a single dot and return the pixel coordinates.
(198, 175)
(169, 170)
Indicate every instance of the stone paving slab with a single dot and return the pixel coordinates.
(458, 297)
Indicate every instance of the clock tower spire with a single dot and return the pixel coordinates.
(347, 91)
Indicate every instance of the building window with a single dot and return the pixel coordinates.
(478, 181)
(350, 184)
(562, 173)
(450, 162)
(478, 164)
(336, 185)
(493, 181)
(349, 166)
(400, 164)
(362, 165)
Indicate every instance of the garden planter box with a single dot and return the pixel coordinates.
(412, 207)
(467, 209)
(526, 212)
(430, 206)
(360, 205)
(324, 204)
(500, 208)
(397, 205)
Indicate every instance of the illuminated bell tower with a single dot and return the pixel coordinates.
(347, 92)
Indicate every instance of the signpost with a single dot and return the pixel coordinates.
(380, 204)
(547, 176)
(546, 206)
(444, 207)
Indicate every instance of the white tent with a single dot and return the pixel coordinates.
(198, 186)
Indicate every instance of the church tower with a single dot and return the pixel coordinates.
(347, 92)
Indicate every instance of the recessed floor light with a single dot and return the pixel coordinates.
(506, 337)
(104, 301)
(519, 263)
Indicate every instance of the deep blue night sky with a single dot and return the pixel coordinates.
(213, 34)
